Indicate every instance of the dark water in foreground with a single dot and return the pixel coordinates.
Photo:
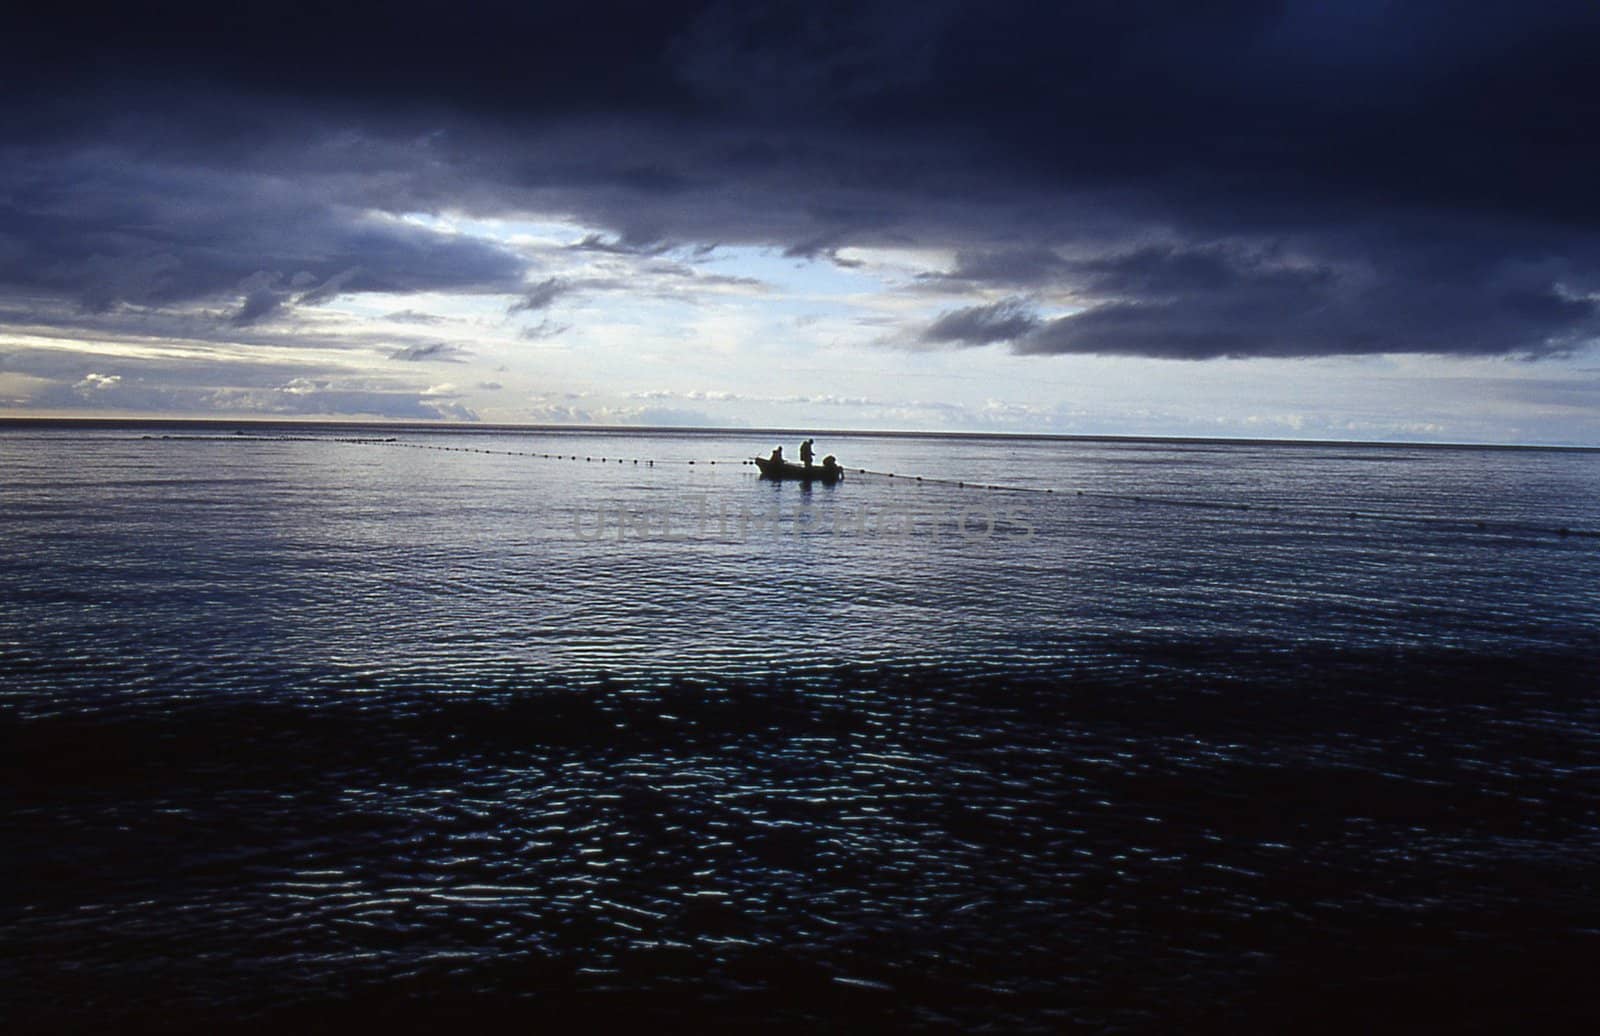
(312, 734)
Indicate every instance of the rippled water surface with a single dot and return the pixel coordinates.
(559, 727)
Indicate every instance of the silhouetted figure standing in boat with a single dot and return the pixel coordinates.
(805, 453)
(777, 455)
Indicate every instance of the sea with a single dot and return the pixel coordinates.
(311, 727)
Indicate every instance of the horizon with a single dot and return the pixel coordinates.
(480, 427)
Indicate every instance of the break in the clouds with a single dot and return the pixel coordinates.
(1034, 206)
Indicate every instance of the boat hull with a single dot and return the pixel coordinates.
(797, 472)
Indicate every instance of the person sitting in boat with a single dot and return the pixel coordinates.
(805, 453)
(777, 455)
(829, 465)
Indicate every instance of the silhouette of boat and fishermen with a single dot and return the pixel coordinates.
(775, 467)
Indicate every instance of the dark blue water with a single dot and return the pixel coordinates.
(445, 730)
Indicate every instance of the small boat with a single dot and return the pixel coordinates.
(783, 469)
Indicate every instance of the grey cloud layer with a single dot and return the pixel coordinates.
(102, 226)
(1206, 302)
(1181, 181)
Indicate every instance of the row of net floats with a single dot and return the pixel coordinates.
(1046, 490)
(962, 484)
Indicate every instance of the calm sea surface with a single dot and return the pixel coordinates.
(306, 731)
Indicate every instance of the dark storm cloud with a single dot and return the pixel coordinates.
(543, 329)
(411, 316)
(433, 352)
(259, 304)
(106, 227)
(268, 295)
(1206, 303)
(633, 241)
(825, 247)
(329, 289)
(642, 275)
(540, 296)
(1003, 321)
(1242, 178)
(1014, 267)
(1164, 273)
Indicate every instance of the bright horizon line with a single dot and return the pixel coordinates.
(443, 425)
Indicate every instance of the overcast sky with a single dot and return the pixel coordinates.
(1348, 219)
